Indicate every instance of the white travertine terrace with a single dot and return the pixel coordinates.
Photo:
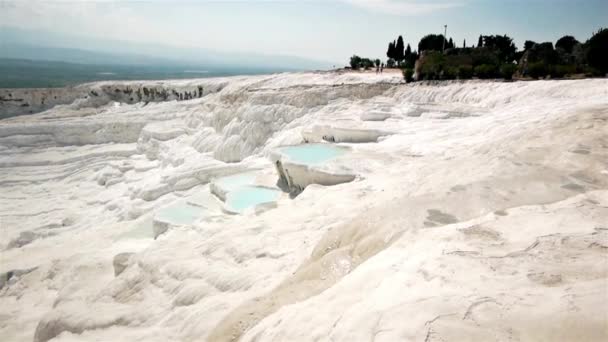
(483, 215)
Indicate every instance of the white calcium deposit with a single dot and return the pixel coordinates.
(472, 211)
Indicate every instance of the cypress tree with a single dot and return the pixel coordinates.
(391, 50)
(464, 44)
(394, 49)
(409, 57)
(451, 44)
(399, 54)
(480, 41)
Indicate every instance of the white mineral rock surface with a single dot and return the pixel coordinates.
(476, 211)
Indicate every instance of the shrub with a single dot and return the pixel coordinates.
(484, 55)
(431, 65)
(465, 73)
(537, 70)
(507, 70)
(408, 75)
(367, 63)
(390, 63)
(591, 71)
(560, 71)
(450, 73)
(430, 72)
(485, 71)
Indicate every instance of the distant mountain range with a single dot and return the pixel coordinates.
(39, 59)
(52, 46)
(25, 73)
(70, 55)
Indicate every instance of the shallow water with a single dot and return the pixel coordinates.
(234, 182)
(250, 196)
(312, 153)
(180, 213)
(204, 199)
(143, 230)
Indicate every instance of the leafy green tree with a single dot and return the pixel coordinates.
(544, 52)
(529, 45)
(366, 63)
(565, 47)
(539, 60)
(503, 45)
(377, 62)
(494, 56)
(579, 54)
(355, 62)
(566, 43)
(431, 42)
(597, 53)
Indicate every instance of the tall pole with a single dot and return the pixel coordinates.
(445, 32)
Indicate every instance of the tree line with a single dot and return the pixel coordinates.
(494, 56)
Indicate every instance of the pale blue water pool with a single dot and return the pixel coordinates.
(250, 196)
(143, 230)
(179, 214)
(312, 153)
(230, 183)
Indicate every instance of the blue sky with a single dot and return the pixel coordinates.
(330, 30)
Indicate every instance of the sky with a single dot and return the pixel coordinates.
(328, 30)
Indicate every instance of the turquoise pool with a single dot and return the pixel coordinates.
(143, 230)
(312, 153)
(234, 182)
(179, 214)
(250, 196)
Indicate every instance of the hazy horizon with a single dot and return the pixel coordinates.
(319, 31)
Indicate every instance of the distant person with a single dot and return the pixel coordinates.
(382, 68)
(377, 68)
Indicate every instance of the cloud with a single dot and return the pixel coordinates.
(112, 19)
(404, 7)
